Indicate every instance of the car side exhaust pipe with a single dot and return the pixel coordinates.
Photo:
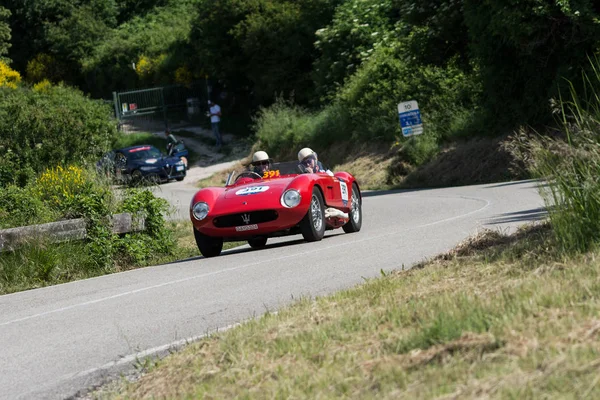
(336, 218)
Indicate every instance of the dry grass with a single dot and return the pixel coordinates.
(475, 161)
(380, 166)
(486, 321)
(368, 163)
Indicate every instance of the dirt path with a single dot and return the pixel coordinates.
(210, 160)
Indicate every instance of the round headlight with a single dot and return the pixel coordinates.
(200, 210)
(291, 198)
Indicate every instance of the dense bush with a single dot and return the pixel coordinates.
(41, 129)
(72, 192)
(22, 207)
(365, 109)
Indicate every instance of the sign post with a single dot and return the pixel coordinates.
(410, 118)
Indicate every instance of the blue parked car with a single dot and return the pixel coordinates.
(143, 163)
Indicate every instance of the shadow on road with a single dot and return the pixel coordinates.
(537, 181)
(535, 214)
(244, 249)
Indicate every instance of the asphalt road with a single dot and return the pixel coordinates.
(59, 340)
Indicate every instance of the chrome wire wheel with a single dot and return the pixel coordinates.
(355, 222)
(355, 207)
(316, 213)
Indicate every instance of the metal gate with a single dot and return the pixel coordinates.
(161, 107)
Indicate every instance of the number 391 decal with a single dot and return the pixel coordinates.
(270, 174)
(252, 190)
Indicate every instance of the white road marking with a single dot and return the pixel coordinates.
(345, 243)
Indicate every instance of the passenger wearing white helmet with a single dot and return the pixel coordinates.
(309, 162)
(261, 162)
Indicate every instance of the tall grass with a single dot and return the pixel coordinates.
(572, 166)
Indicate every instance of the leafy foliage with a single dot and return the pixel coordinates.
(523, 49)
(73, 192)
(64, 29)
(8, 78)
(4, 34)
(264, 46)
(40, 129)
(22, 207)
(163, 30)
(357, 27)
(365, 109)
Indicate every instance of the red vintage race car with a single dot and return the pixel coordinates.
(283, 201)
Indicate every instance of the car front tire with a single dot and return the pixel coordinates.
(136, 176)
(208, 246)
(312, 225)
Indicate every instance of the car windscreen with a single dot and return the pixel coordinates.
(143, 153)
(286, 168)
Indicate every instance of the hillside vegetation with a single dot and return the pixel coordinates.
(321, 71)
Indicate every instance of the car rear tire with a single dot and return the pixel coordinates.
(208, 246)
(179, 179)
(355, 212)
(312, 225)
(258, 242)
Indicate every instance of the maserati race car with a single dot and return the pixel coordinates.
(282, 201)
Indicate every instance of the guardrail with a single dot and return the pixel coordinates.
(61, 231)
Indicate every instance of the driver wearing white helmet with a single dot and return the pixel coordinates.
(261, 162)
(309, 162)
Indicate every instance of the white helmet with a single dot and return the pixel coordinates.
(260, 156)
(305, 152)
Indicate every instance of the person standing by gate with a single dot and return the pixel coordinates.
(215, 119)
(171, 141)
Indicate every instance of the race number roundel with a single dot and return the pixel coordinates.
(251, 190)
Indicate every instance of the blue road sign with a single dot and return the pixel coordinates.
(410, 118)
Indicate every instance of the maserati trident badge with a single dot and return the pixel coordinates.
(246, 218)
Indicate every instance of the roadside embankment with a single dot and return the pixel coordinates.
(498, 316)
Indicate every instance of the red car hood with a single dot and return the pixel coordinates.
(258, 190)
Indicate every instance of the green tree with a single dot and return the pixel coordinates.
(357, 28)
(4, 34)
(262, 47)
(160, 34)
(64, 29)
(129, 9)
(524, 49)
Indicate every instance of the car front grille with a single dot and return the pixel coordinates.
(249, 218)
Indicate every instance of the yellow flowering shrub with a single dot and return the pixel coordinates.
(146, 66)
(38, 69)
(183, 76)
(42, 86)
(60, 186)
(143, 67)
(9, 77)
